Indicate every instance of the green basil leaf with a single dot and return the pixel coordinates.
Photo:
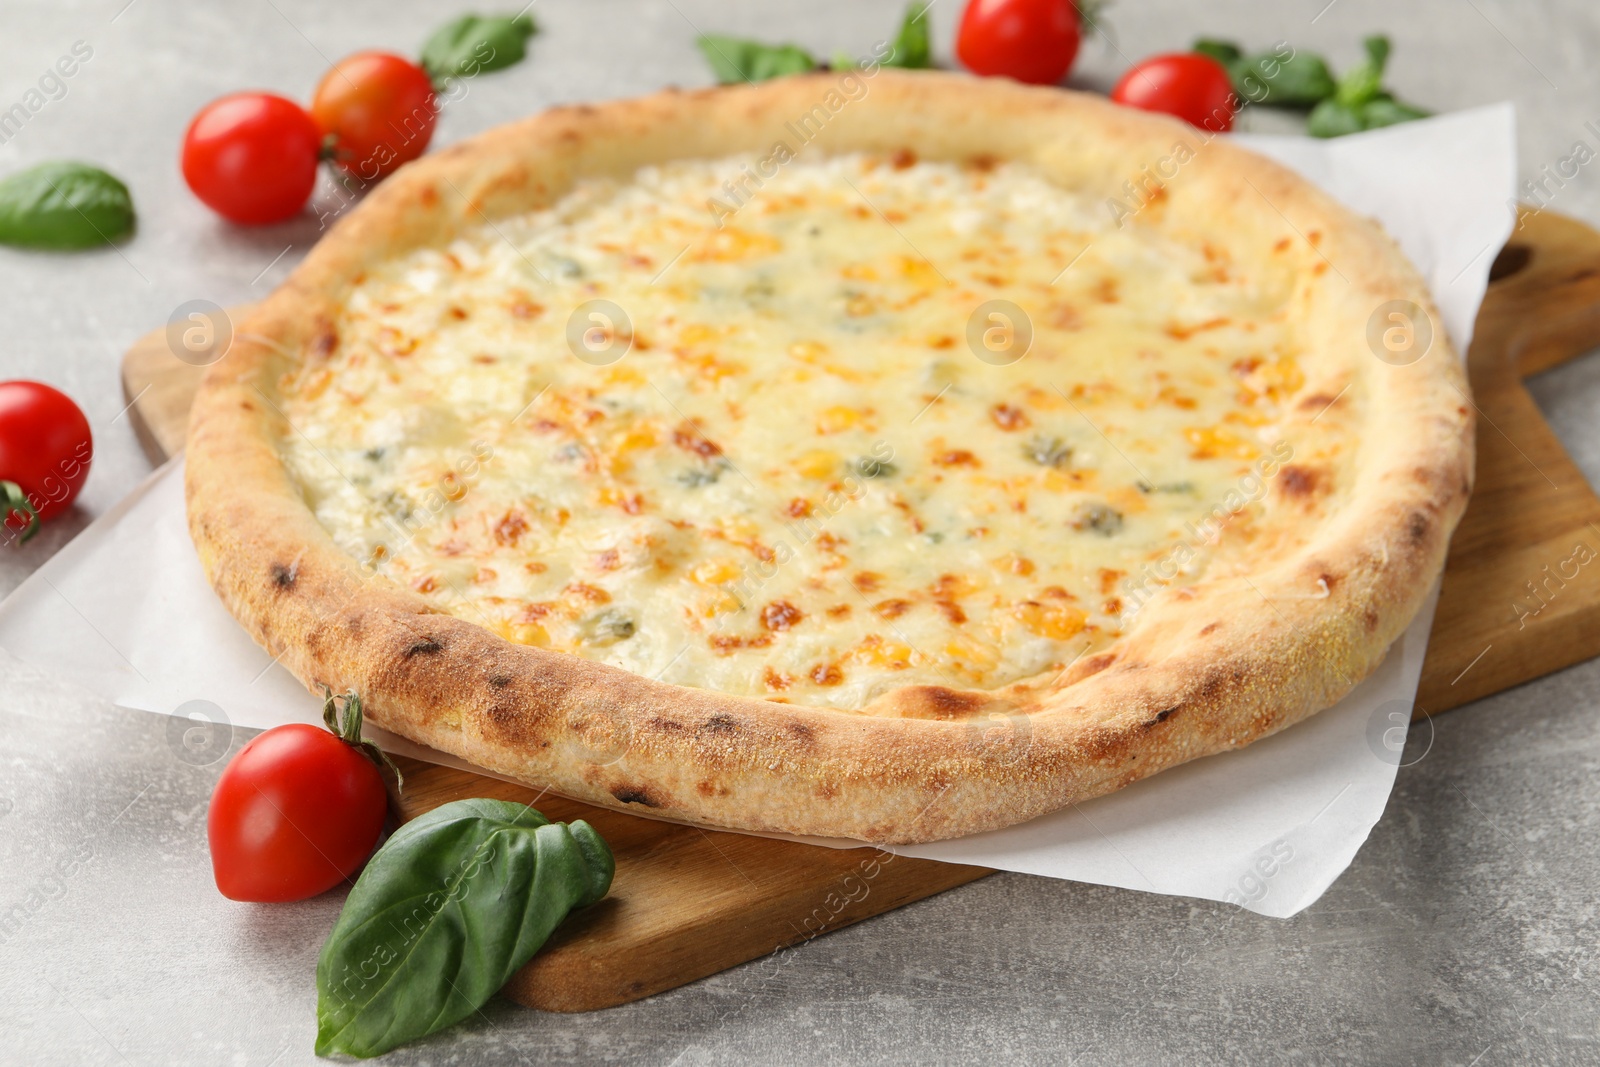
(475, 44)
(1333, 119)
(1385, 110)
(1225, 52)
(64, 206)
(1364, 81)
(733, 59)
(1302, 79)
(1091, 13)
(912, 49)
(444, 914)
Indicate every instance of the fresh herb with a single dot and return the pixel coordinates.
(1091, 13)
(1360, 102)
(1286, 77)
(444, 914)
(1048, 451)
(912, 48)
(474, 44)
(1279, 78)
(735, 60)
(64, 206)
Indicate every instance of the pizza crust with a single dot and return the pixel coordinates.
(1205, 668)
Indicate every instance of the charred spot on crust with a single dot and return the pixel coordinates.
(802, 733)
(284, 576)
(1161, 717)
(630, 795)
(424, 647)
(499, 681)
(1371, 620)
(665, 725)
(1417, 527)
(720, 723)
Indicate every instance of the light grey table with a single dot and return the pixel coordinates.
(1464, 932)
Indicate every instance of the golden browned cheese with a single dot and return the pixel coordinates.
(802, 466)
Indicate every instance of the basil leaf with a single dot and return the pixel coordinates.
(912, 49)
(64, 206)
(1300, 80)
(444, 914)
(1364, 81)
(474, 44)
(1333, 119)
(1225, 52)
(1385, 110)
(733, 59)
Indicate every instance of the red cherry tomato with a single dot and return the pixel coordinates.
(379, 109)
(1193, 87)
(252, 157)
(297, 812)
(45, 450)
(1033, 41)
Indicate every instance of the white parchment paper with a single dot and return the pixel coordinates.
(125, 611)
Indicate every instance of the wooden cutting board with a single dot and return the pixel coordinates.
(689, 902)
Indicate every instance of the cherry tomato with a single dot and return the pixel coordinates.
(1033, 41)
(1193, 87)
(45, 450)
(297, 812)
(252, 157)
(379, 109)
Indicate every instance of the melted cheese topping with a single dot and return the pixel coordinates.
(801, 466)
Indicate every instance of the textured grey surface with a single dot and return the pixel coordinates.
(1463, 933)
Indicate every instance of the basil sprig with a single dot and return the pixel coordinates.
(1360, 102)
(444, 914)
(64, 206)
(1285, 77)
(913, 49)
(1278, 78)
(474, 44)
(733, 59)
(736, 59)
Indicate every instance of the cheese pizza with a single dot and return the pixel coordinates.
(881, 455)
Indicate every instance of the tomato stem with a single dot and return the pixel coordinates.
(343, 715)
(13, 499)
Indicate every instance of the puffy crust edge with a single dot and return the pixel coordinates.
(1206, 669)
